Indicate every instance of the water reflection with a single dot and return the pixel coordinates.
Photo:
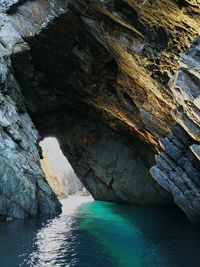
(102, 234)
(53, 241)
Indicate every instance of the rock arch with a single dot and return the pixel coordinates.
(96, 77)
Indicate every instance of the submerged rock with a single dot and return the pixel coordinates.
(115, 82)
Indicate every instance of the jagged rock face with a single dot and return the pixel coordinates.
(99, 76)
(112, 167)
(178, 168)
(23, 189)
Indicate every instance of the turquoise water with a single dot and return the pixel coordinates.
(105, 235)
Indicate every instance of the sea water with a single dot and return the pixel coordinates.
(101, 234)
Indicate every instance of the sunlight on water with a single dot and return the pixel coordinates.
(51, 240)
(99, 234)
(71, 203)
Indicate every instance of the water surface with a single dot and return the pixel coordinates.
(93, 234)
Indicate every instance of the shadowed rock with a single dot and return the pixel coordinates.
(109, 79)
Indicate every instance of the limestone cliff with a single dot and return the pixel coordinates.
(117, 82)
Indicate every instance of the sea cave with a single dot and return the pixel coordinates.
(116, 83)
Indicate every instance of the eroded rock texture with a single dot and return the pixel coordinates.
(23, 189)
(178, 168)
(107, 79)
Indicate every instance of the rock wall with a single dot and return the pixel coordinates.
(112, 167)
(109, 74)
(178, 167)
(23, 188)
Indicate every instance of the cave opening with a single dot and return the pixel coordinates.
(112, 88)
(77, 83)
(58, 171)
